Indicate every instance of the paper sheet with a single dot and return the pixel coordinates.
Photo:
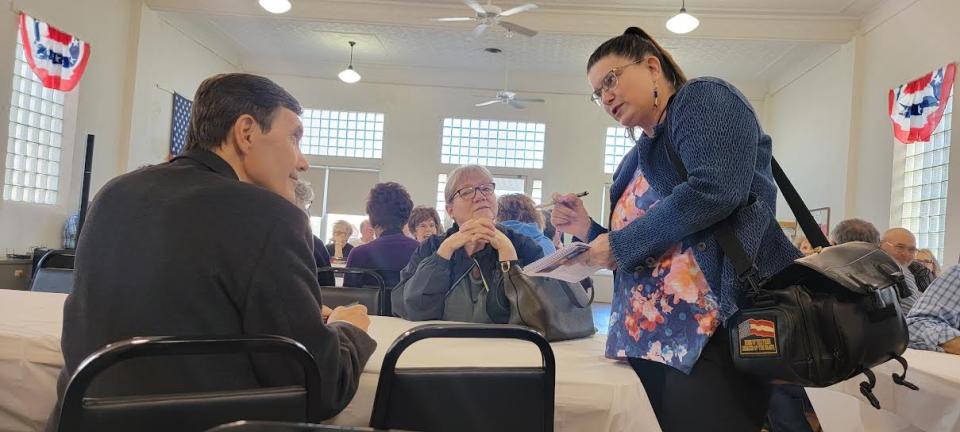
(561, 265)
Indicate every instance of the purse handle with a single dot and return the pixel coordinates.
(723, 230)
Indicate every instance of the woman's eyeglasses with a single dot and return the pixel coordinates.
(468, 192)
(609, 82)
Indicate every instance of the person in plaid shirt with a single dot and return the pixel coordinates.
(934, 321)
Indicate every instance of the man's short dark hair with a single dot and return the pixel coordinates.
(222, 99)
(855, 230)
(389, 206)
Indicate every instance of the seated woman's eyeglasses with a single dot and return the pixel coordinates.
(468, 192)
(609, 82)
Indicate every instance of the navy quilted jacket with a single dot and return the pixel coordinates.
(727, 156)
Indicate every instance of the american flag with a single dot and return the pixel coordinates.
(178, 123)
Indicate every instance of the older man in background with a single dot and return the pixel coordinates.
(901, 244)
(855, 230)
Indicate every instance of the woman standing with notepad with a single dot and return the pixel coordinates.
(673, 288)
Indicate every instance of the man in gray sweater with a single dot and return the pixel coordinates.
(211, 244)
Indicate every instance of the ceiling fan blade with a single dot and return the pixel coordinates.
(518, 9)
(533, 100)
(489, 102)
(454, 19)
(475, 6)
(478, 31)
(518, 29)
(516, 104)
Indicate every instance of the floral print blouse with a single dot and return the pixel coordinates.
(666, 313)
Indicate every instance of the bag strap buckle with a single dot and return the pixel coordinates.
(752, 278)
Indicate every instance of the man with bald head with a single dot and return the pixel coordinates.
(901, 245)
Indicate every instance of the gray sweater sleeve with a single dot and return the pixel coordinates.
(423, 285)
(284, 299)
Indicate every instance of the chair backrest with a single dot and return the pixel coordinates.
(375, 299)
(390, 277)
(54, 280)
(53, 258)
(189, 411)
(466, 398)
(265, 426)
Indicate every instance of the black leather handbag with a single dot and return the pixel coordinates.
(825, 318)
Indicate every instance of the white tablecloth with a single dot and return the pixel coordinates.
(935, 407)
(592, 393)
(30, 358)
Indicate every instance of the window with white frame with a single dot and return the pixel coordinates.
(493, 143)
(35, 137)
(340, 133)
(616, 145)
(925, 186)
(441, 197)
(536, 194)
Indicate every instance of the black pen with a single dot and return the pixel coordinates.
(553, 203)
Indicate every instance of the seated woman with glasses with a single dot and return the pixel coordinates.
(458, 275)
(926, 258)
(339, 248)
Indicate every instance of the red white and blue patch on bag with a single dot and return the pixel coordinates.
(57, 58)
(917, 106)
(758, 337)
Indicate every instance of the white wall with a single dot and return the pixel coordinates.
(808, 118)
(835, 113)
(100, 99)
(133, 51)
(921, 37)
(173, 56)
(573, 159)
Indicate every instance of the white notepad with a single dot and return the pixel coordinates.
(558, 265)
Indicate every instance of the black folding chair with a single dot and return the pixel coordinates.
(53, 272)
(464, 399)
(375, 298)
(53, 258)
(194, 411)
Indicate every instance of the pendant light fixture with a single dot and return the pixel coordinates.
(349, 75)
(275, 6)
(683, 22)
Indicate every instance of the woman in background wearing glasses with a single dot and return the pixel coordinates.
(673, 289)
(458, 276)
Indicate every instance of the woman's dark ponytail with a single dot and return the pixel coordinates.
(635, 43)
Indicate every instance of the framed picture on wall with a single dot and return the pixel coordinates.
(822, 216)
(789, 229)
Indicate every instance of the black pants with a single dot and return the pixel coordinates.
(714, 397)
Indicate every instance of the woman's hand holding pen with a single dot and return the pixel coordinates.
(600, 253)
(570, 216)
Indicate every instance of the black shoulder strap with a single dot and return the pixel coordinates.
(723, 230)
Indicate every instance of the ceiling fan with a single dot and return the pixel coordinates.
(505, 96)
(489, 14)
(509, 98)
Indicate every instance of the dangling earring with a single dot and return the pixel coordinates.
(656, 97)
